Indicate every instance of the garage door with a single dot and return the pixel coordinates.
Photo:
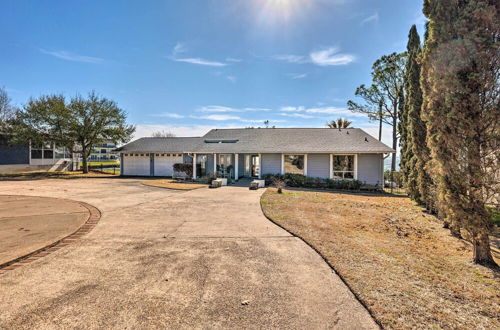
(136, 164)
(164, 163)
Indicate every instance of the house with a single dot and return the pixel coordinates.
(349, 153)
(28, 157)
(103, 152)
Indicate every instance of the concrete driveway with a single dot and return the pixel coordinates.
(166, 259)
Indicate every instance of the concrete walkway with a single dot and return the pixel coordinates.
(165, 259)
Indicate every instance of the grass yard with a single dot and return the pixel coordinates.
(173, 184)
(53, 175)
(99, 163)
(397, 259)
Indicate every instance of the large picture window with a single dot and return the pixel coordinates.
(343, 166)
(294, 164)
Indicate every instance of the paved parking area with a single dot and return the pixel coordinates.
(168, 259)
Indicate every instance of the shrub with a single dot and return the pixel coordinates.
(279, 184)
(298, 180)
(186, 168)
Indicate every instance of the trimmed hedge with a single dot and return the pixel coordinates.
(301, 181)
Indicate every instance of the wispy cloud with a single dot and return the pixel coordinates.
(68, 56)
(371, 18)
(231, 78)
(218, 117)
(292, 109)
(290, 58)
(295, 110)
(170, 115)
(199, 61)
(181, 48)
(297, 115)
(330, 56)
(324, 57)
(220, 108)
(297, 75)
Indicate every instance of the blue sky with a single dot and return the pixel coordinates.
(188, 66)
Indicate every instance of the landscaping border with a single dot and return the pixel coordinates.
(324, 259)
(93, 219)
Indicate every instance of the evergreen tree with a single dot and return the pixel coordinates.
(461, 105)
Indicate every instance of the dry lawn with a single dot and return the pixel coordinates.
(399, 260)
(53, 175)
(172, 184)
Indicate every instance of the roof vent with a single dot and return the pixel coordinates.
(221, 141)
(366, 139)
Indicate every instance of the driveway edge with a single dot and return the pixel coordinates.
(93, 219)
(325, 260)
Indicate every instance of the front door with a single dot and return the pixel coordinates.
(255, 165)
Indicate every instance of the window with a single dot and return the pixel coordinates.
(48, 153)
(294, 164)
(36, 153)
(343, 167)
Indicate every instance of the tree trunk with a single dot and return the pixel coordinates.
(380, 128)
(85, 165)
(481, 249)
(394, 142)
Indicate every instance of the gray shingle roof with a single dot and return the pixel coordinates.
(267, 140)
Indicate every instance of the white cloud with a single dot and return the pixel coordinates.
(170, 115)
(290, 58)
(335, 111)
(296, 115)
(64, 55)
(144, 130)
(178, 49)
(220, 108)
(329, 57)
(297, 75)
(199, 61)
(292, 109)
(371, 18)
(231, 79)
(218, 117)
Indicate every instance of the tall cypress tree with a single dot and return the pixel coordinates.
(412, 102)
(460, 80)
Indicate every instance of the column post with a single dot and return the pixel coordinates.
(215, 164)
(305, 164)
(260, 166)
(194, 166)
(282, 164)
(331, 166)
(236, 173)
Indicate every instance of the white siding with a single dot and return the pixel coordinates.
(318, 165)
(271, 164)
(370, 168)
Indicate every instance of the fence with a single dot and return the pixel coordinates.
(106, 168)
(393, 183)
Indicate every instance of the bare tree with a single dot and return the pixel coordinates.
(163, 133)
(7, 111)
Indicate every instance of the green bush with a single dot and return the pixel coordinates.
(301, 181)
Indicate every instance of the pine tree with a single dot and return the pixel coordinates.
(418, 181)
(460, 80)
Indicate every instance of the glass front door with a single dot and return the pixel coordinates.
(252, 166)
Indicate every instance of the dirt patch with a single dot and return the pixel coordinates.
(28, 224)
(399, 260)
(172, 184)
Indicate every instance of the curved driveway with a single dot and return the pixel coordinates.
(166, 259)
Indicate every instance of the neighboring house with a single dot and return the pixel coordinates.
(348, 153)
(103, 152)
(19, 158)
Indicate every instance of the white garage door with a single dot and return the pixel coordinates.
(136, 164)
(164, 163)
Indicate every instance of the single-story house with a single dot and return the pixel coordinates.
(348, 153)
